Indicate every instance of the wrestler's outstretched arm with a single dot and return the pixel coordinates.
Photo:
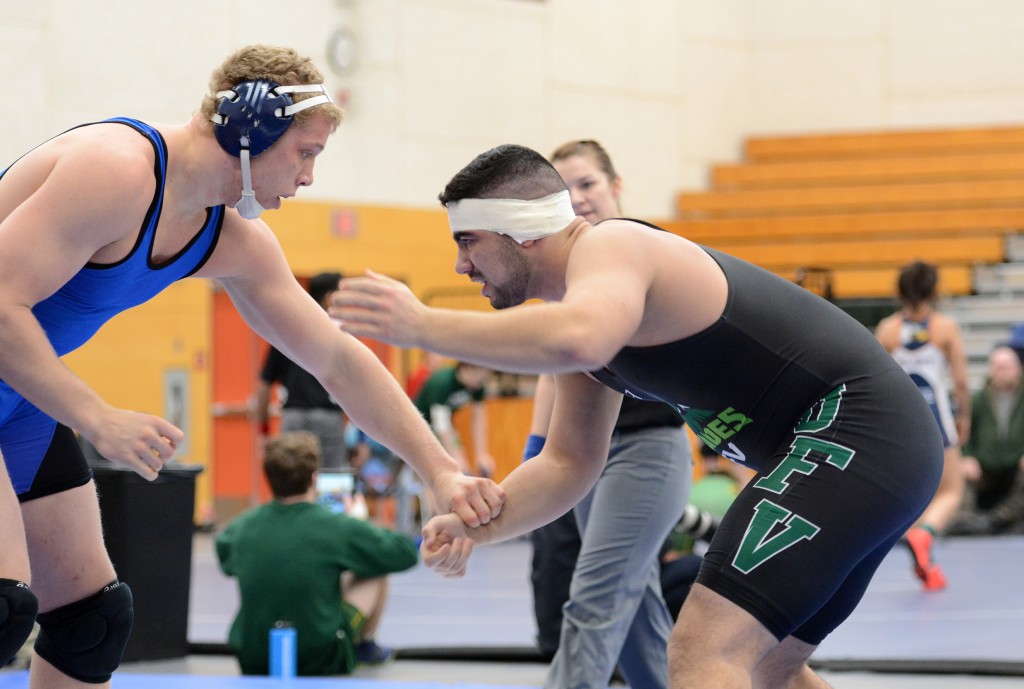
(262, 287)
(544, 488)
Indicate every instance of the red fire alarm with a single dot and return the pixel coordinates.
(344, 223)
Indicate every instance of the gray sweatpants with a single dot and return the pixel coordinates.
(615, 610)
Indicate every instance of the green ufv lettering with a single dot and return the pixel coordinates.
(758, 546)
(728, 423)
(822, 414)
(796, 462)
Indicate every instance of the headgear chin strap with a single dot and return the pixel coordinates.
(520, 220)
(247, 206)
(251, 117)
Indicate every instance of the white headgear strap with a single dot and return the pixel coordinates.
(520, 220)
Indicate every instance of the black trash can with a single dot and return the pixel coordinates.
(148, 528)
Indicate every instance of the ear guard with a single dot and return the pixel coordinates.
(254, 114)
(250, 118)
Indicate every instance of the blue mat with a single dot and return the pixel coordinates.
(976, 625)
(19, 680)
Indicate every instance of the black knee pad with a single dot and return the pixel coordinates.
(86, 639)
(18, 608)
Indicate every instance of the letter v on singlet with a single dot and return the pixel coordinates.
(758, 545)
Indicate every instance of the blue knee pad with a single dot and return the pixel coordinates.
(86, 639)
(18, 608)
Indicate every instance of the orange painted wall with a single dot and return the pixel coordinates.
(508, 424)
(414, 245)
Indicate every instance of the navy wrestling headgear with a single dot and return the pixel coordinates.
(250, 118)
(254, 114)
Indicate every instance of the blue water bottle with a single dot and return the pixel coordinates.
(282, 650)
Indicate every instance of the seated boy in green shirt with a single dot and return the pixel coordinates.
(298, 562)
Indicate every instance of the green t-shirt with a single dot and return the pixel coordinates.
(996, 452)
(714, 493)
(444, 389)
(288, 560)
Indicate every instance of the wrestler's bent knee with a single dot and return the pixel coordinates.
(18, 608)
(86, 639)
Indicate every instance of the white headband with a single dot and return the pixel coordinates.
(520, 220)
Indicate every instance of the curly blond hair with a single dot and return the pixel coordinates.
(278, 64)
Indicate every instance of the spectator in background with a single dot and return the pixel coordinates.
(298, 562)
(596, 576)
(307, 405)
(446, 391)
(378, 479)
(927, 344)
(429, 363)
(994, 454)
(682, 555)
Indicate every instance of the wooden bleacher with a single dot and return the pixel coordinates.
(858, 206)
(841, 171)
(853, 198)
(854, 253)
(885, 144)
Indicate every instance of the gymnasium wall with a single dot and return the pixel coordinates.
(669, 86)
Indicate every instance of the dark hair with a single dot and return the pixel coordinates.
(323, 284)
(917, 283)
(585, 147)
(289, 461)
(507, 171)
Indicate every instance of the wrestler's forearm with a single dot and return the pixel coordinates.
(525, 339)
(29, 365)
(546, 486)
(353, 374)
(379, 407)
(538, 492)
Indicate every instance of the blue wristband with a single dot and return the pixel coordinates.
(534, 444)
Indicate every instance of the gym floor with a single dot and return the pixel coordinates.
(478, 631)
